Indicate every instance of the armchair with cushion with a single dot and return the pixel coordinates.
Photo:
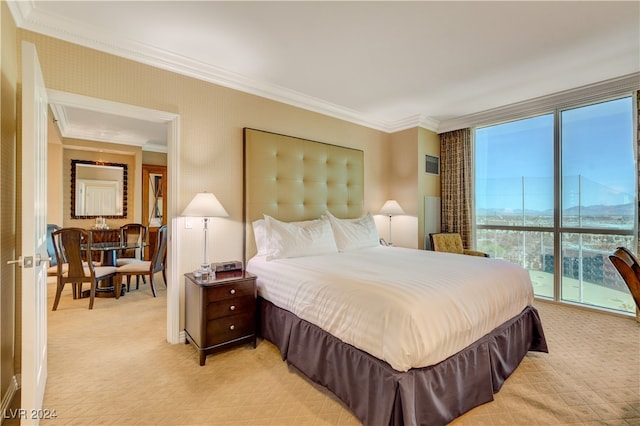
(451, 242)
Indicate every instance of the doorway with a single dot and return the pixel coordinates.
(172, 122)
(154, 205)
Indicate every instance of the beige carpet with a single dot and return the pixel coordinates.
(112, 366)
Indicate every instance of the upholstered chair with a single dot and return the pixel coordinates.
(451, 242)
(132, 235)
(147, 267)
(52, 271)
(68, 244)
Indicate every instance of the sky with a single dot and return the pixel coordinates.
(597, 150)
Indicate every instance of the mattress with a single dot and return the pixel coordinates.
(410, 308)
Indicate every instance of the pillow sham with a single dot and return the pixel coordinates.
(260, 234)
(308, 238)
(353, 234)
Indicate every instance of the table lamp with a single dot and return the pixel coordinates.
(390, 208)
(204, 205)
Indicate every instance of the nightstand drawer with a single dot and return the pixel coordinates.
(231, 290)
(235, 306)
(229, 328)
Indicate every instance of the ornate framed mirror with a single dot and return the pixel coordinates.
(98, 189)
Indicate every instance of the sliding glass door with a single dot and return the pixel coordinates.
(514, 189)
(598, 199)
(556, 193)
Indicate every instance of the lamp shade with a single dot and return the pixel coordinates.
(204, 204)
(391, 208)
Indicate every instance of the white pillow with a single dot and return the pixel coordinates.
(307, 238)
(260, 235)
(352, 234)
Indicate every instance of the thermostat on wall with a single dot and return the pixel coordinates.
(234, 265)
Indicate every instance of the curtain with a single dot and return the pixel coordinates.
(456, 184)
(638, 169)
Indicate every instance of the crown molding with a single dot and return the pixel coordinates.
(108, 107)
(418, 120)
(29, 17)
(58, 100)
(596, 92)
(20, 10)
(155, 148)
(69, 131)
(72, 144)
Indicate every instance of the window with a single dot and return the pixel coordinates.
(560, 207)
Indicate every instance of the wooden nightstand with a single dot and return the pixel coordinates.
(220, 312)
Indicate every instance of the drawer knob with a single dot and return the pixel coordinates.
(232, 327)
(232, 291)
(232, 307)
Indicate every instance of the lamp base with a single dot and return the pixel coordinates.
(205, 272)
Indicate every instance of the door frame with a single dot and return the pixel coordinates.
(173, 155)
(147, 171)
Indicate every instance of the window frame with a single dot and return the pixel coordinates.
(558, 229)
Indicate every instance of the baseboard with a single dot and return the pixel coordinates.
(182, 337)
(7, 400)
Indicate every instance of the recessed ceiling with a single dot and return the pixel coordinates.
(81, 123)
(384, 64)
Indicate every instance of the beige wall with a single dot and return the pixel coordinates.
(428, 184)
(54, 175)
(211, 122)
(9, 298)
(154, 158)
(403, 187)
(409, 184)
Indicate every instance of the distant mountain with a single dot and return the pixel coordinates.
(600, 210)
(594, 211)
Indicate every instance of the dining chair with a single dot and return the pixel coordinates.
(132, 235)
(629, 269)
(451, 242)
(68, 244)
(52, 271)
(146, 267)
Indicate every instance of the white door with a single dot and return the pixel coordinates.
(34, 230)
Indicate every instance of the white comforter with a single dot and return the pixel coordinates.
(410, 308)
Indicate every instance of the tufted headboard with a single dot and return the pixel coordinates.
(294, 179)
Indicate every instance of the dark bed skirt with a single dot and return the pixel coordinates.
(379, 395)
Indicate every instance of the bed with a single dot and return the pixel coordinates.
(401, 336)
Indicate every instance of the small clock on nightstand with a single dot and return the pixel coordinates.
(220, 312)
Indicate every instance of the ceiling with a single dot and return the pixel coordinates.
(86, 124)
(385, 64)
